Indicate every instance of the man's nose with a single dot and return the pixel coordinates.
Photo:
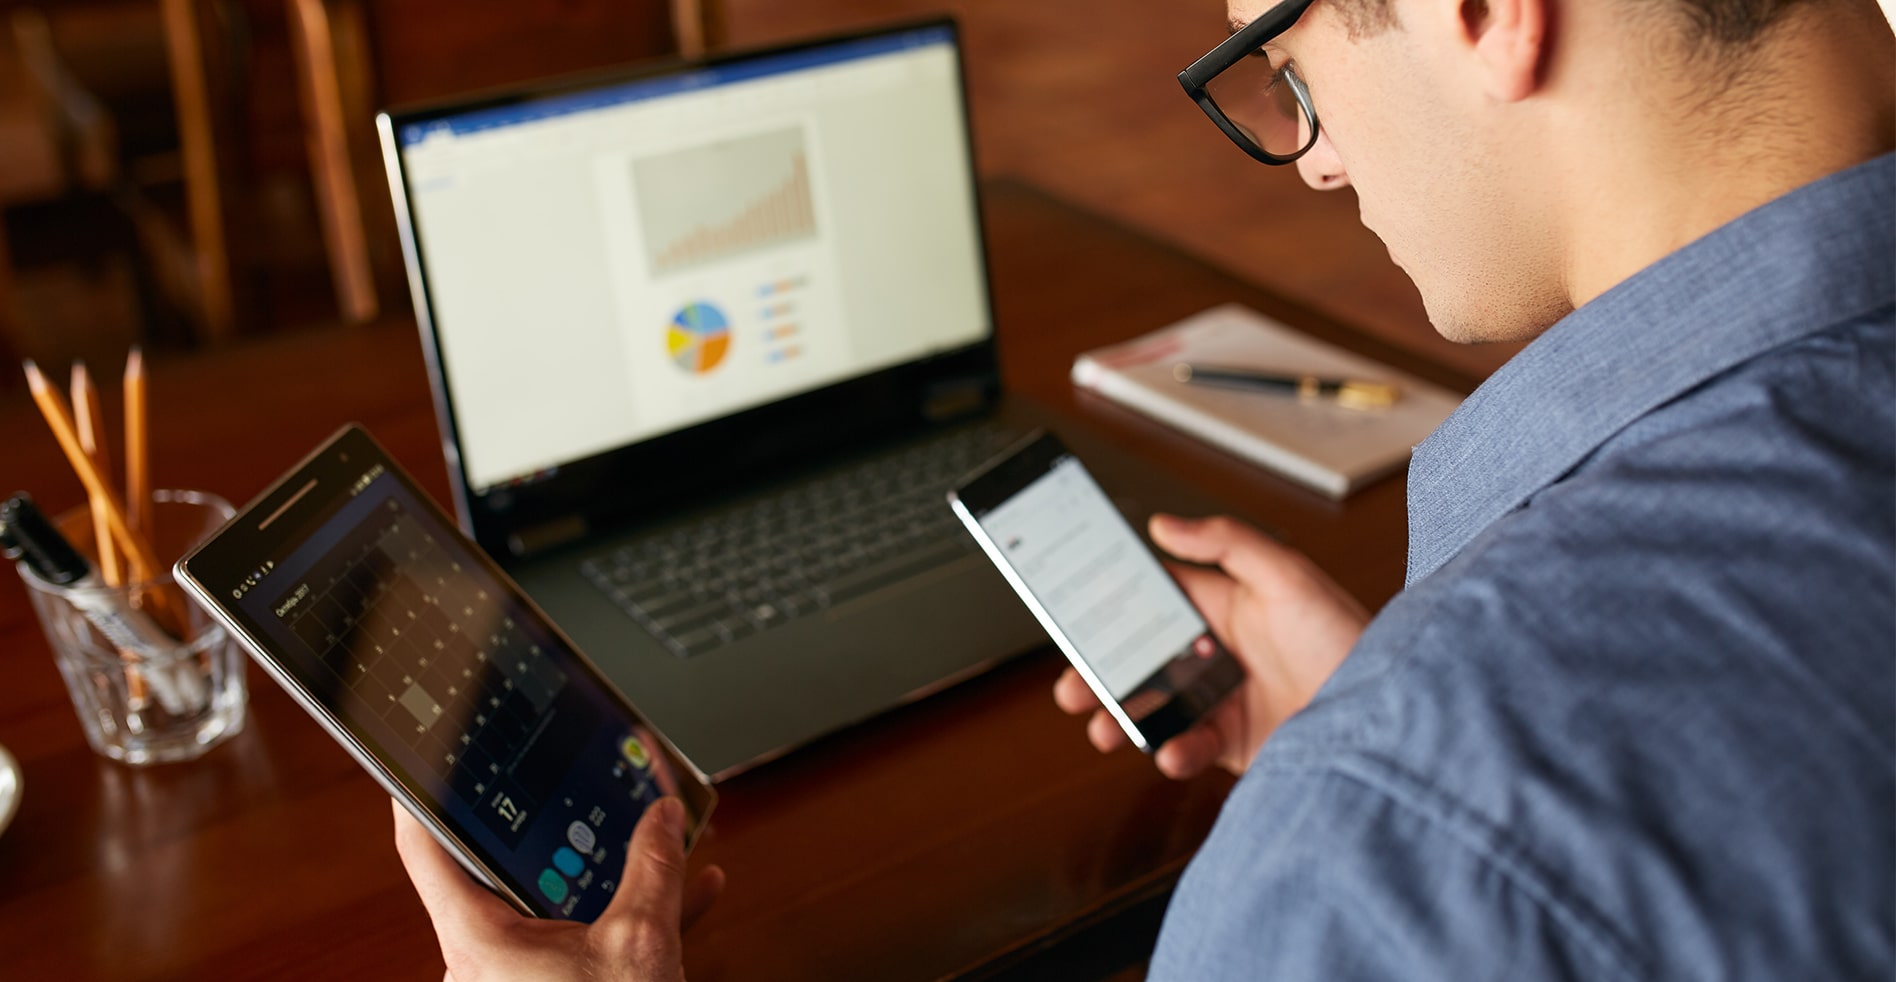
(1321, 167)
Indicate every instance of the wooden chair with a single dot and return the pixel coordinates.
(193, 87)
(354, 56)
(203, 75)
(61, 147)
(57, 140)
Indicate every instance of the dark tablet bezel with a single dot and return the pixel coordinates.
(220, 571)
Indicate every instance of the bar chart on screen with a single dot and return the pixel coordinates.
(716, 201)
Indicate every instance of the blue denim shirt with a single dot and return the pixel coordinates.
(1634, 716)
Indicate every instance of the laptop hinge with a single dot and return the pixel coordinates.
(546, 535)
(953, 398)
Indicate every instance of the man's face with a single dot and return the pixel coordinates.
(1403, 121)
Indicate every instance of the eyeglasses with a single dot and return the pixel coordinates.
(1254, 93)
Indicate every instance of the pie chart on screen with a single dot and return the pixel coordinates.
(698, 338)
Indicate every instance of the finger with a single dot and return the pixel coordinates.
(1210, 591)
(653, 885)
(700, 893)
(1073, 695)
(1236, 547)
(456, 904)
(1189, 753)
(1104, 733)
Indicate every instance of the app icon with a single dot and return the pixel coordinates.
(553, 885)
(636, 753)
(568, 861)
(581, 836)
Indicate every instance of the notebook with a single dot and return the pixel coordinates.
(709, 341)
(1320, 445)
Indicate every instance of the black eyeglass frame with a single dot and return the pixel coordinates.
(1236, 48)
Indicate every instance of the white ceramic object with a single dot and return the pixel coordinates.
(10, 785)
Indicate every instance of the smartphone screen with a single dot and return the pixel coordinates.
(418, 654)
(1097, 589)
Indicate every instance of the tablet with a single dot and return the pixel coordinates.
(402, 639)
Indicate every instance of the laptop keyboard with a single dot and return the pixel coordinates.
(811, 547)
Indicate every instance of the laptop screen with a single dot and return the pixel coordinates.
(607, 265)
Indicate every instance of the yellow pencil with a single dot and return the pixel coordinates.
(143, 564)
(137, 477)
(86, 442)
(90, 423)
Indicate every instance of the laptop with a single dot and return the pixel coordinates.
(708, 342)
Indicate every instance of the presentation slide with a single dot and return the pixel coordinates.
(633, 261)
(726, 287)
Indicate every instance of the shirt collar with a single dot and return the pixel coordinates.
(1813, 258)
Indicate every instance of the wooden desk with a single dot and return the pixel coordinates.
(973, 827)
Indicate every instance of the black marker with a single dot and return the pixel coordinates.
(26, 535)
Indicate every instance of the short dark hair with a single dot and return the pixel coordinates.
(1365, 17)
(1724, 23)
(1731, 23)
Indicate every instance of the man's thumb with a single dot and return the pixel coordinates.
(653, 885)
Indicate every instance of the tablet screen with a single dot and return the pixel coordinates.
(435, 665)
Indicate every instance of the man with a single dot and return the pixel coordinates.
(1635, 714)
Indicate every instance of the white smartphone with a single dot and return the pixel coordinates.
(1099, 591)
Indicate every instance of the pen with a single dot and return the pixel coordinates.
(1348, 393)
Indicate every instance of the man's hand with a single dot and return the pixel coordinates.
(1287, 622)
(637, 937)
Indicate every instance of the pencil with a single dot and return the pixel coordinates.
(90, 423)
(137, 477)
(140, 517)
(85, 400)
(143, 564)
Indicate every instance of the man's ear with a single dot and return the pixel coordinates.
(1510, 38)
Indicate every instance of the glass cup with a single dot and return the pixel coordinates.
(153, 678)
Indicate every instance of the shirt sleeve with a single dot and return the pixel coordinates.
(1322, 874)
(1638, 727)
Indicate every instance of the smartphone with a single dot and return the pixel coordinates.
(357, 595)
(1096, 587)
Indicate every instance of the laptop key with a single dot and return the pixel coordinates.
(766, 615)
(697, 642)
(662, 605)
(735, 627)
(796, 603)
(687, 617)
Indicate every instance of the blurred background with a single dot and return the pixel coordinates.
(189, 173)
